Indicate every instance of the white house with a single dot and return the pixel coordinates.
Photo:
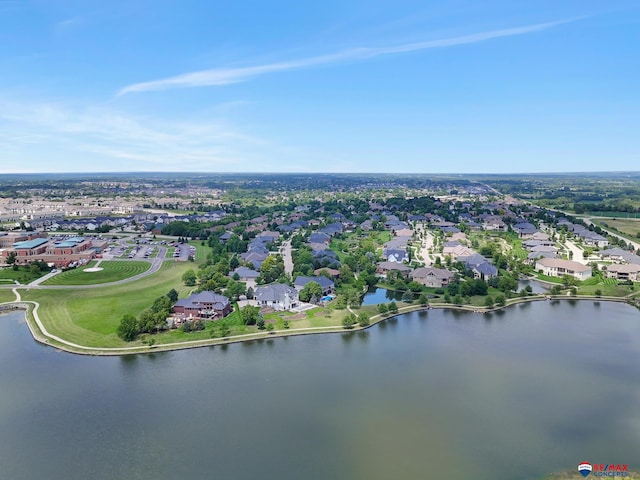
(624, 272)
(556, 267)
(277, 296)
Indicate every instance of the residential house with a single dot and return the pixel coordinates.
(245, 274)
(396, 255)
(432, 277)
(480, 266)
(557, 267)
(203, 305)
(319, 237)
(624, 272)
(327, 284)
(277, 296)
(385, 267)
(525, 229)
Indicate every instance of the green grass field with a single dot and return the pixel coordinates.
(6, 295)
(23, 275)
(112, 271)
(91, 316)
(629, 227)
(607, 289)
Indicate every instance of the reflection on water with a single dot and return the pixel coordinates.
(380, 295)
(424, 395)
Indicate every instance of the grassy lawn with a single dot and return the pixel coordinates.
(24, 275)
(6, 295)
(614, 290)
(201, 250)
(91, 316)
(112, 271)
(547, 278)
(519, 252)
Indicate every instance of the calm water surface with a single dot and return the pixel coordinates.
(509, 396)
(377, 295)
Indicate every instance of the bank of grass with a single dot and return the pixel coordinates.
(547, 278)
(90, 317)
(112, 270)
(6, 295)
(612, 290)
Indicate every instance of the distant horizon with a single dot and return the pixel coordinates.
(169, 172)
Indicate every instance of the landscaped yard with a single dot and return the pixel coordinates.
(113, 270)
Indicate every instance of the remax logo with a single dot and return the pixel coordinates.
(585, 468)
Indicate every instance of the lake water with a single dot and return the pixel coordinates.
(437, 394)
(377, 295)
(536, 287)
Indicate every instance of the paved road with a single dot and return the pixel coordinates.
(577, 252)
(286, 256)
(428, 244)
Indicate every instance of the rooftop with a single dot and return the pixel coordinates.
(28, 244)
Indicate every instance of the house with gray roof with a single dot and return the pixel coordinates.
(432, 277)
(277, 296)
(246, 274)
(327, 284)
(204, 305)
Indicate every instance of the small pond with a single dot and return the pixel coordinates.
(377, 295)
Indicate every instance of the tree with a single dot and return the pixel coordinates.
(311, 289)
(224, 329)
(349, 321)
(128, 328)
(393, 307)
(598, 292)
(364, 319)
(500, 300)
(407, 296)
(250, 315)
(11, 258)
(189, 278)
(270, 327)
(260, 324)
(382, 308)
(235, 289)
(173, 295)
(423, 299)
(488, 301)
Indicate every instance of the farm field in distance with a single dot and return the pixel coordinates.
(628, 226)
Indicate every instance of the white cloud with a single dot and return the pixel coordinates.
(147, 143)
(227, 76)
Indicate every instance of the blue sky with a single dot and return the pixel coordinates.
(457, 86)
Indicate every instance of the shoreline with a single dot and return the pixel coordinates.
(41, 335)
